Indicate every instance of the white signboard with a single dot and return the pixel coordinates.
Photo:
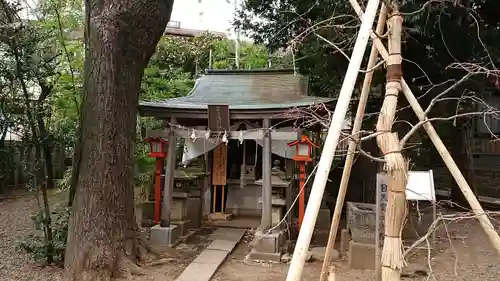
(420, 186)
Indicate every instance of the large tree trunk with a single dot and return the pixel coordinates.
(121, 36)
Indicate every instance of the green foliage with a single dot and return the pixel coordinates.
(49, 51)
(441, 33)
(35, 244)
(64, 184)
(159, 84)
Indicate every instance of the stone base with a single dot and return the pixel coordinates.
(318, 253)
(345, 238)
(261, 256)
(270, 243)
(164, 236)
(324, 221)
(148, 210)
(194, 213)
(220, 216)
(417, 226)
(268, 247)
(183, 227)
(277, 215)
(179, 210)
(361, 256)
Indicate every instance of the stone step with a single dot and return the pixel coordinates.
(208, 262)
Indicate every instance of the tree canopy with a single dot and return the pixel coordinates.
(437, 34)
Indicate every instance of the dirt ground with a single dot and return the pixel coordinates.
(17, 265)
(463, 252)
(466, 256)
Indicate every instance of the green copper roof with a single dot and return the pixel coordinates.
(244, 89)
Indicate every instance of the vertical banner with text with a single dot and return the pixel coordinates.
(220, 165)
(218, 123)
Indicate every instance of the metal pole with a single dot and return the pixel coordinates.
(325, 163)
(210, 59)
(237, 41)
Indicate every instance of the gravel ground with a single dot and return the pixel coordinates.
(15, 264)
(475, 260)
(466, 256)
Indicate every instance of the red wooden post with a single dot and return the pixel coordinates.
(159, 167)
(303, 148)
(302, 194)
(157, 149)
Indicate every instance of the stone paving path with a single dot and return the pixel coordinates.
(207, 263)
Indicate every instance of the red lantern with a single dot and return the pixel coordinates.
(303, 151)
(158, 147)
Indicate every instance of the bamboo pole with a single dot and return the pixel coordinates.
(325, 162)
(363, 98)
(440, 147)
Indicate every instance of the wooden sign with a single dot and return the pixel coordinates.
(219, 170)
(218, 121)
(218, 118)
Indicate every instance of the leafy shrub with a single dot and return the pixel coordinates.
(64, 184)
(36, 244)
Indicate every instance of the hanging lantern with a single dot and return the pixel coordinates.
(303, 149)
(158, 147)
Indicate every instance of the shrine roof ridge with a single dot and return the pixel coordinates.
(258, 89)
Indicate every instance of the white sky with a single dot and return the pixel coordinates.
(213, 15)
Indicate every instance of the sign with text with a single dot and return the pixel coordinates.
(218, 118)
(219, 168)
(420, 186)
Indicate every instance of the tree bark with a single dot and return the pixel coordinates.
(121, 36)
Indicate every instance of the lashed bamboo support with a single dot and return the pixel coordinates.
(363, 98)
(325, 162)
(440, 147)
(396, 167)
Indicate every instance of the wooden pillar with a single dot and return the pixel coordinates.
(266, 177)
(169, 177)
(157, 188)
(302, 191)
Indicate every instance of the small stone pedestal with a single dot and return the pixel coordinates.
(164, 236)
(179, 215)
(194, 212)
(361, 256)
(147, 213)
(324, 219)
(268, 247)
(277, 209)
